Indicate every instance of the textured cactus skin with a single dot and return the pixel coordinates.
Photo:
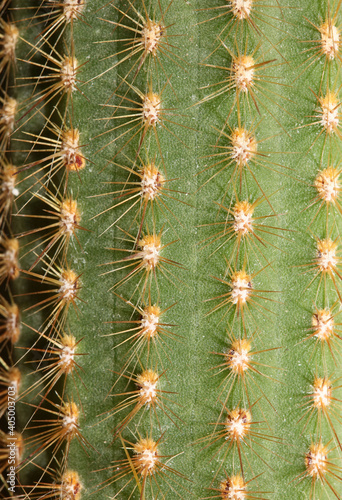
(190, 373)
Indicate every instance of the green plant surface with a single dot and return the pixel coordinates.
(292, 152)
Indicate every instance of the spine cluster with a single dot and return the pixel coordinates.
(322, 293)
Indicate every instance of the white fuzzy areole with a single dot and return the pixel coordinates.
(327, 259)
(152, 32)
(151, 255)
(149, 323)
(330, 39)
(238, 360)
(330, 113)
(242, 222)
(322, 396)
(68, 73)
(243, 69)
(241, 8)
(241, 290)
(323, 323)
(72, 8)
(66, 356)
(68, 288)
(151, 109)
(243, 146)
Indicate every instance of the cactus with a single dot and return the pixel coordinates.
(170, 223)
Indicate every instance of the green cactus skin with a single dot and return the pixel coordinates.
(190, 360)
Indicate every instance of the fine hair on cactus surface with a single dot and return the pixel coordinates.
(170, 249)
